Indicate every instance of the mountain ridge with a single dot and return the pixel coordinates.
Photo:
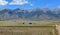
(36, 14)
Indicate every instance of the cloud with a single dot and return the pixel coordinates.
(31, 4)
(18, 2)
(58, 6)
(15, 2)
(3, 2)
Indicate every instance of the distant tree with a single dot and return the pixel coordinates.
(30, 23)
(23, 23)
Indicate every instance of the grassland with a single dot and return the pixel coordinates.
(13, 28)
(27, 24)
(26, 31)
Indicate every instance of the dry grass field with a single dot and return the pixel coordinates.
(38, 30)
(27, 29)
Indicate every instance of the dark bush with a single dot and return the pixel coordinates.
(23, 23)
(30, 23)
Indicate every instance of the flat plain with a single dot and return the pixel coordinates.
(12, 28)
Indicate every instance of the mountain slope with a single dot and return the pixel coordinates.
(33, 14)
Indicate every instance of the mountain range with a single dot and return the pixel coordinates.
(37, 14)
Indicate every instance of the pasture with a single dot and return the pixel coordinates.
(13, 28)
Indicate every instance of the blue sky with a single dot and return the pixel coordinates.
(28, 4)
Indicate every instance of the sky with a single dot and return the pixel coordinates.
(29, 4)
